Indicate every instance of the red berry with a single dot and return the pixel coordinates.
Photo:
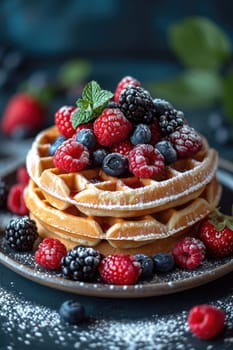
(64, 122)
(71, 156)
(145, 161)
(216, 232)
(120, 269)
(49, 253)
(111, 127)
(189, 252)
(15, 200)
(123, 84)
(22, 175)
(84, 126)
(206, 321)
(123, 148)
(186, 141)
(25, 111)
(156, 134)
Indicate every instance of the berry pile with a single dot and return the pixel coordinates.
(125, 133)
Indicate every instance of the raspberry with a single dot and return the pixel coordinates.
(49, 253)
(120, 269)
(123, 148)
(15, 200)
(64, 122)
(71, 156)
(22, 176)
(21, 233)
(206, 321)
(156, 134)
(123, 84)
(189, 252)
(145, 161)
(186, 141)
(111, 127)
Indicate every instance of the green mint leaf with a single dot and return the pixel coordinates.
(198, 42)
(92, 103)
(81, 116)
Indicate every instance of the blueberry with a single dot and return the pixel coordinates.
(147, 266)
(86, 137)
(115, 164)
(97, 157)
(72, 312)
(53, 147)
(167, 150)
(141, 134)
(164, 262)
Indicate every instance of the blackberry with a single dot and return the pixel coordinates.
(161, 106)
(81, 263)
(141, 134)
(115, 164)
(136, 104)
(21, 233)
(72, 311)
(3, 194)
(170, 121)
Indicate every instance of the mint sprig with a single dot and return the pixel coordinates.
(91, 105)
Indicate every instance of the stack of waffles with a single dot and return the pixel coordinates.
(124, 214)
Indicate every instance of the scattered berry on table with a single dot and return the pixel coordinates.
(72, 311)
(137, 105)
(128, 80)
(161, 106)
(123, 147)
(206, 321)
(141, 134)
(81, 264)
(167, 150)
(147, 266)
(216, 232)
(186, 141)
(120, 269)
(22, 111)
(15, 199)
(97, 157)
(170, 121)
(49, 253)
(115, 164)
(189, 252)
(53, 147)
(163, 262)
(22, 175)
(145, 161)
(86, 137)
(21, 234)
(111, 127)
(3, 194)
(71, 156)
(63, 120)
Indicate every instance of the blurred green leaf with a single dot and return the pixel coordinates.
(200, 43)
(194, 88)
(227, 100)
(74, 72)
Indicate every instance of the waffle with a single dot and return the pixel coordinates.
(94, 193)
(148, 234)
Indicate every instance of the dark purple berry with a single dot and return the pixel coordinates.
(163, 262)
(147, 266)
(72, 311)
(141, 134)
(167, 150)
(86, 137)
(115, 164)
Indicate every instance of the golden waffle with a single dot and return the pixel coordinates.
(94, 193)
(155, 232)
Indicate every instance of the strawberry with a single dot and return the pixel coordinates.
(22, 111)
(216, 232)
